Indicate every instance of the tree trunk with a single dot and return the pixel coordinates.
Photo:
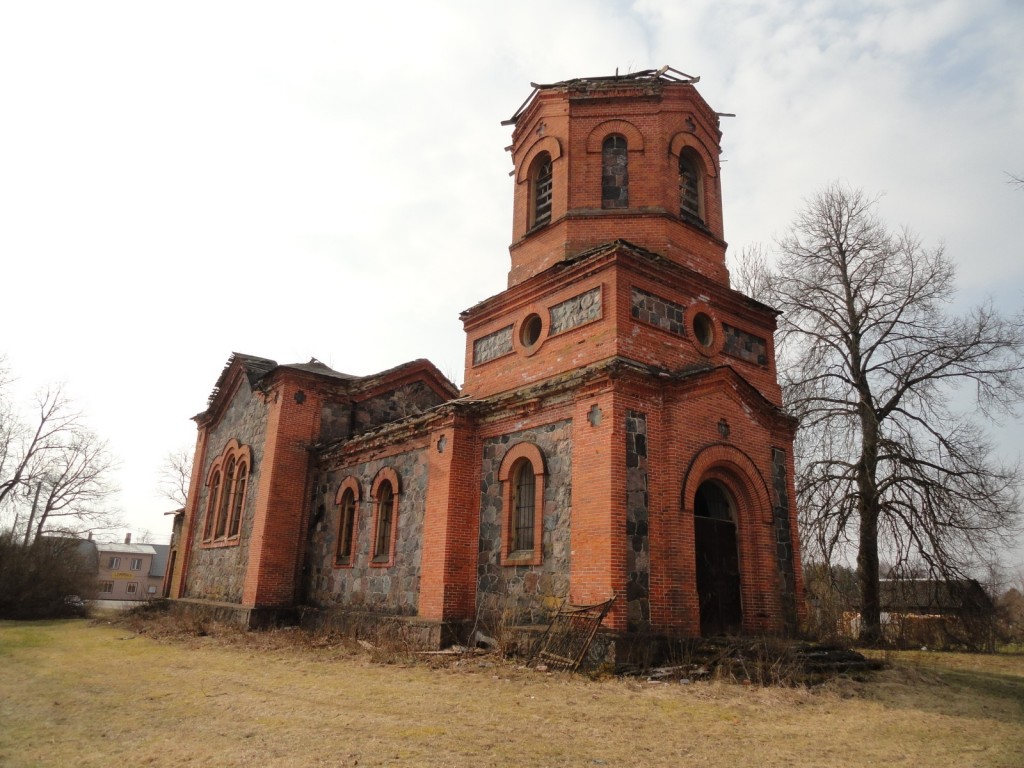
(867, 578)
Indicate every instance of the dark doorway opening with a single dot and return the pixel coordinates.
(718, 566)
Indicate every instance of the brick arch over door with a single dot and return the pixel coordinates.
(736, 472)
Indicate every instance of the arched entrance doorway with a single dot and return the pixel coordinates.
(718, 567)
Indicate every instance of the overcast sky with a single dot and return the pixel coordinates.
(292, 180)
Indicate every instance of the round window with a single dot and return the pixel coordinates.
(529, 332)
(704, 329)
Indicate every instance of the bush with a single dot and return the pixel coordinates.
(36, 579)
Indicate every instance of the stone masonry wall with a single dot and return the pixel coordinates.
(390, 406)
(638, 556)
(745, 346)
(657, 311)
(217, 572)
(362, 586)
(522, 593)
(575, 311)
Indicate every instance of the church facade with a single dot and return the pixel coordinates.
(619, 432)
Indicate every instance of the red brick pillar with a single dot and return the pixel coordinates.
(451, 524)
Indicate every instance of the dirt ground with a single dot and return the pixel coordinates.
(81, 693)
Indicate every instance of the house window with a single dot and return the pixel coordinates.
(347, 499)
(522, 477)
(614, 173)
(690, 205)
(133, 587)
(225, 502)
(136, 563)
(540, 190)
(114, 563)
(385, 493)
(106, 587)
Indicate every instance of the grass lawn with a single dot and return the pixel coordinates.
(76, 693)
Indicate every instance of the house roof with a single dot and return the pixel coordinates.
(159, 562)
(932, 595)
(126, 549)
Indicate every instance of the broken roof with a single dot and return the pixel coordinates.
(665, 75)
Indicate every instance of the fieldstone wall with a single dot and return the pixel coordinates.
(745, 346)
(522, 594)
(492, 346)
(391, 590)
(575, 311)
(638, 557)
(783, 538)
(655, 310)
(217, 573)
(335, 420)
(408, 400)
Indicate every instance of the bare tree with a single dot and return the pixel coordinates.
(870, 361)
(174, 476)
(1016, 180)
(53, 470)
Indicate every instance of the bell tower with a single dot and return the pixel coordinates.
(632, 157)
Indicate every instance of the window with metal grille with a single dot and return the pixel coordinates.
(689, 187)
(385, 520)
(524, 486)
(614, 173)
(540, 182)
(347, 527)
(133, 587)
(106, 587)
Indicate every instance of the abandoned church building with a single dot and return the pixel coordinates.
(619, 433)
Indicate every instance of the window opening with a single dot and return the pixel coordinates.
(614, 173)
(348, 517)
(385, 515)
(211, 506)
(542, 184)
(689, 188)
(133, 587)
(114, 563)
(225, 499)
(524, 486)
(236, 505)
(704, 329)
(531, 329)
(136, 564)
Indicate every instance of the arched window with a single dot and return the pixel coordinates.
(211, 506)
(614, 172)
(346, 528)
(523, 507)
(385, 522)
(225, 499)
(690, 187)
(540, 190)
(225, 502)
(236, 504)
(522, 477)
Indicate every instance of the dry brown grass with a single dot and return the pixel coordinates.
(74, 693)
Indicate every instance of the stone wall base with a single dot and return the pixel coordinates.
(411, 632)
(232, 613)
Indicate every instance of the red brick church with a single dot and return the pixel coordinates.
(619, 433)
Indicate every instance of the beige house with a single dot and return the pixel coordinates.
(131, 571)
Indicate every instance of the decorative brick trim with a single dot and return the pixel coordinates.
(634, 139)
(684, 139)
(239, 457)
(547, 144)
(531, 453)
(348, 484)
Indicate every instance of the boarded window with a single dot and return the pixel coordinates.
(540, 190)
(689, 187)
